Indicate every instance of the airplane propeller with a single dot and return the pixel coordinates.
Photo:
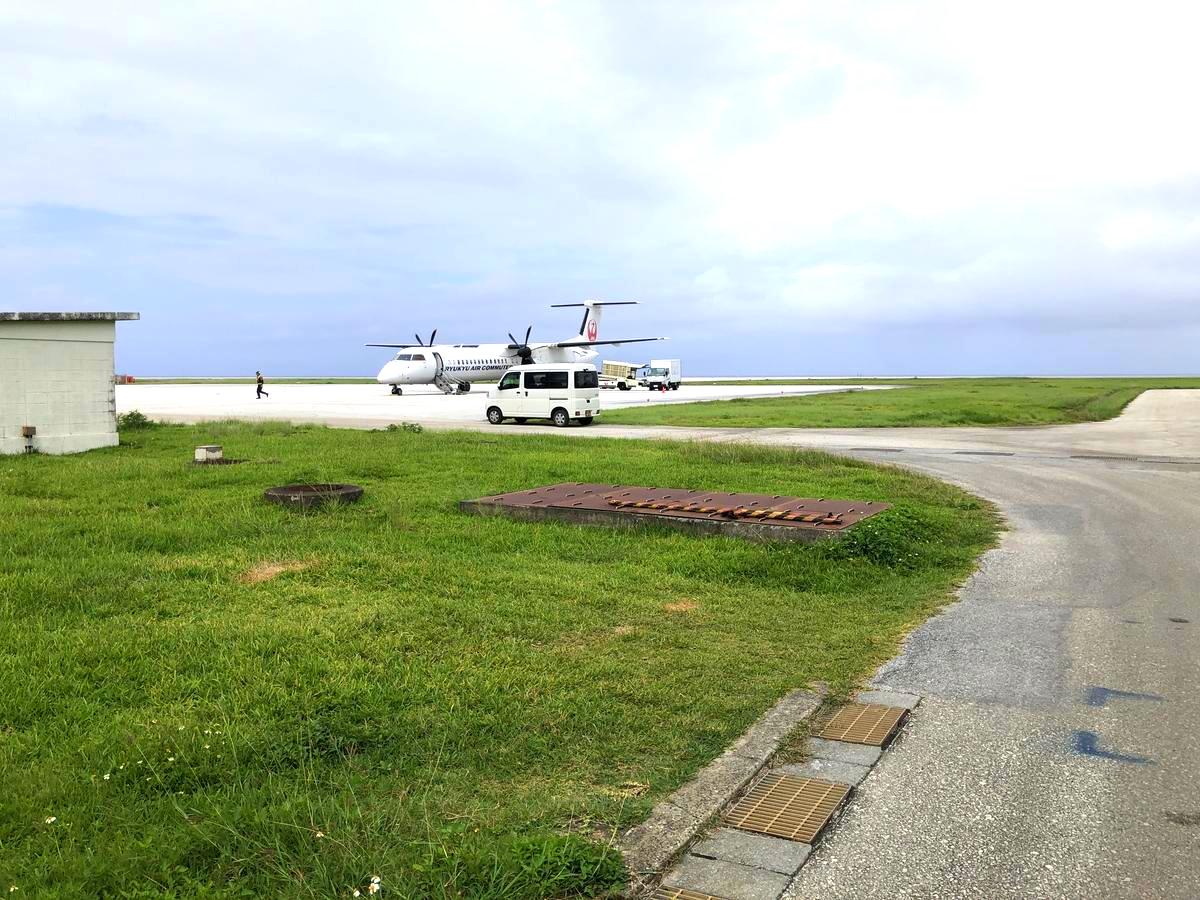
(431, 337)
(522, 347)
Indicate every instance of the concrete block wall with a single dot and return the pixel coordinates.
(57, 377)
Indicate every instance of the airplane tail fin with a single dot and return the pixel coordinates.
(589, 328)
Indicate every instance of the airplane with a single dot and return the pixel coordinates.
(452, 367)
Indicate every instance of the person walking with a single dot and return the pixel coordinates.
(261, 393)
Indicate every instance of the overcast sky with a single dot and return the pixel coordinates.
(788, 188)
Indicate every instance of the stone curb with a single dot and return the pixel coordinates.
(649, 847)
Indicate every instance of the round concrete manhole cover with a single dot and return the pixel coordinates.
(311, 496)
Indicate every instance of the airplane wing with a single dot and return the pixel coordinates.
(599, 343)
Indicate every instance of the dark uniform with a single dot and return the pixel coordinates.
(261, 393)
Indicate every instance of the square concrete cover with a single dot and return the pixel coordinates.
(727, 880)
(756, 850)
(888, 697)
(842, 751)
(829, 770)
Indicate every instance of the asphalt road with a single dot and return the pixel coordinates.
(1057, 749)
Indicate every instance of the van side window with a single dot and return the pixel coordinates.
(511, 380)
(546, 380)
(586, 378)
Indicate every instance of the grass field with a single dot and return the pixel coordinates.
(924, 401)
(208, 696)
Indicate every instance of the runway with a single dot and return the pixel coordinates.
(373, 406)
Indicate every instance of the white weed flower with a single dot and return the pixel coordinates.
(180, 728)
(375, 879)
(13, 887)
(206, 746)
(107, 775)
(356, 893)
(373, 888)
(320, 834)
(50, 820)
(170, 759)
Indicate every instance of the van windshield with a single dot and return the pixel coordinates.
(586, 378)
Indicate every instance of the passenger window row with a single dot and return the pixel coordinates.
(549, 381)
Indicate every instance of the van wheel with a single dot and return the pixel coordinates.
(560, 418)
(623, 386)
(494, 415)
(520, 420)
(586, 420)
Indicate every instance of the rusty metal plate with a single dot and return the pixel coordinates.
(772, 509)
(669, 893)
(864, 723)
(788, 807)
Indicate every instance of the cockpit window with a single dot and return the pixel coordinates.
(418, 357)
(403, 357)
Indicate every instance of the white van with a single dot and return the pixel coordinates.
(559, 392)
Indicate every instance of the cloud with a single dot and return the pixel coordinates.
(769, 170)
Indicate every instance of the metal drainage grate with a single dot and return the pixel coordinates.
(669, 893)
(864, 723)
(788, 807)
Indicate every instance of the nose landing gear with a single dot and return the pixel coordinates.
(396, 390)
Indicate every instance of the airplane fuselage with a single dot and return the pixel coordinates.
(452, 367)
(466, 363)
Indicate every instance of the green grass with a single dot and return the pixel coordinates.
(461, 706)
(924, 401)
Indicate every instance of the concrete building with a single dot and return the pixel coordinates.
(56, 381)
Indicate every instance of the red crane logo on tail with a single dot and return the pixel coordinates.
(591, 330)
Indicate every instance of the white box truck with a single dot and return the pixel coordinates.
(662, 374)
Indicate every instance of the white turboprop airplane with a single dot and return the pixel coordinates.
(452, 367)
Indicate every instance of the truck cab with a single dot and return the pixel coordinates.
(560, 392)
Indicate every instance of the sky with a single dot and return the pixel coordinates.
(787, 188)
